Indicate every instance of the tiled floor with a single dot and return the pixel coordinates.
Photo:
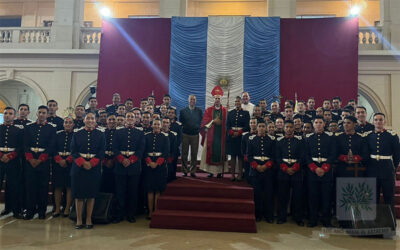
(59, 233)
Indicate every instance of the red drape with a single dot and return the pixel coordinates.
(319, 57)
(134, 59)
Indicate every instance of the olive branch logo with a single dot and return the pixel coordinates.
(357, 196)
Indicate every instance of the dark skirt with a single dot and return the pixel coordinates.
(85, 184)
(156, 179)
(61, 176)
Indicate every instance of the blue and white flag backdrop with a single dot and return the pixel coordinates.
(244, 50)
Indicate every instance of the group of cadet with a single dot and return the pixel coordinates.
(303, 154)
(133, 152)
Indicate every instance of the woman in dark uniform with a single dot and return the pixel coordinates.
(87, 148)
(62, 167)
(156, 153)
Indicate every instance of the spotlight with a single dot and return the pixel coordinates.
(355, 10)
(105, 12)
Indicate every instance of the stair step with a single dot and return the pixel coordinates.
(205, 204)
(201, 220)
(211, 190)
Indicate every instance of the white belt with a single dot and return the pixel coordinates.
(87, 156)
(154, 154)
(37, 150)
(64, 153)
(319, 159)
(7, 149)
(290, 161)
(261, 158)
(381, 157)
(109, 153)
(127, 153)
(236, 128)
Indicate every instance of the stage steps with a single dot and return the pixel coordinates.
(206, 204)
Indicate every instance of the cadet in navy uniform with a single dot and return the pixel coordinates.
(352, 153)
(22, 119)
(290, 157)
(128, 149)
(260, 152)
(87, 148)
(146, 122)
(237, 122)
(177, 128)
(384, 149)
(320, 154)
(156, 152)
(351, 149)
(107, 177)
(23, 112)
(244, 143)
(362, 124)
(39, 144)
(62, 167)
(112, 108)
(173, 150)
(79, 115)
(11, 145)
(52, 116)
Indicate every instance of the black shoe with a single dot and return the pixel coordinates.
(210, 175)
(5, 212)
(184, 174)
(219, 175)
(311, 224)
(270, 221)
(28, 216)
(258, 219)
(300, 223)
(193, 175)
(18, 216)
(148, 218)
(65, 215)
(131, 219)
(42, 216)
(89, 226)
(280, 222)
(79, 226)
(55, 215)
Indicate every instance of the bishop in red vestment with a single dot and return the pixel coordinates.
(213, 133)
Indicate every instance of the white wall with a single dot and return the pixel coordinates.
(14, 93)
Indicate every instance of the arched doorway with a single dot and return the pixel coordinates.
(371, 101)
(13, 93)
(83, 98)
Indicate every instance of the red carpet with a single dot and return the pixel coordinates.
(206, 204)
